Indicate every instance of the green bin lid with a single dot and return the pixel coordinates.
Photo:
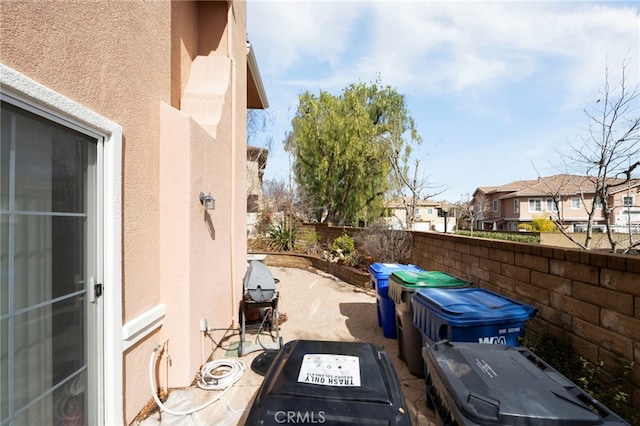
(427, 279)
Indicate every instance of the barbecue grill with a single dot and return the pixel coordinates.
(259, 309)
(259, 282)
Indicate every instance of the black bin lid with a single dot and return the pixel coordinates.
(328, 383)
(500, 384)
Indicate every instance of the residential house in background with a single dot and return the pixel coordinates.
(506, 207)
(429, 215)
(122, 198)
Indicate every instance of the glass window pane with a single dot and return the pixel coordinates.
(4, 264)
(576, 203)
(64, 407)
(4, 369)
(50, 163)
(69, 164)
(48, 258)
(5, 150)
(48, 348)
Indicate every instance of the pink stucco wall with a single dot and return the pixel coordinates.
(130, 62)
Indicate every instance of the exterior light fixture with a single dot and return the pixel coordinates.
(207, 201)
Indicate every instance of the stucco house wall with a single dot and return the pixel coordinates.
(173, 75)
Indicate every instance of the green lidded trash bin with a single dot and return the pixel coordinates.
(401, 285)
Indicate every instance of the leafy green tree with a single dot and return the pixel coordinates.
(342, 147)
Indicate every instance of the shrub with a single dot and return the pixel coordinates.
(344, 244)
(386, 245)
(509, 236)
(308, 242)
(538, 224)
(265, 219)
(543, 224)
(343, 250)
(282, 237)
(525, 227)
(607, 387)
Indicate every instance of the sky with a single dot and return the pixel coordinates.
(497, 89)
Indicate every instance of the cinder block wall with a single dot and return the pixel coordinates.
(329, 233)
(591, 299)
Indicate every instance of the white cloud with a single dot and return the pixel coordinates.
(441, 47)
(456, 46)
(299, 30)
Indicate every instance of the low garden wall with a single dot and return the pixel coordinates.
(352, 276)
(590, 299)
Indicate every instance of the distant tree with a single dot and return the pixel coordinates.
(258, 123)
(609, 153)
(465, 210)
(278, 194)
(407, 181)
(472, 209)
(341, 148)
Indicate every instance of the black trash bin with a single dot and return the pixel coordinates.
(479, 384)
(330, 383)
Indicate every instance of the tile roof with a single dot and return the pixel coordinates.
(562, 184)
(398, 203)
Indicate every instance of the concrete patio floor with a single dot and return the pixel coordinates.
(318, 307)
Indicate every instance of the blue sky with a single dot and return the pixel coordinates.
(495, 88)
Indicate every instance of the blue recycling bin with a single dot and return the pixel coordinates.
(385, 306)
(469, 315)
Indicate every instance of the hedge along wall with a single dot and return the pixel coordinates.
(592, 299)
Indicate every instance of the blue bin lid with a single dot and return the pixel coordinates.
(471, 306)
(384, 270)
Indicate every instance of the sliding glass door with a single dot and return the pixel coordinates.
(48, 245)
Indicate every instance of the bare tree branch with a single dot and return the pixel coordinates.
(607, 156)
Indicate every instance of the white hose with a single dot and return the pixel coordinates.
(233, 372)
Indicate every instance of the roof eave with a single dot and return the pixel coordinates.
(256, 95)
